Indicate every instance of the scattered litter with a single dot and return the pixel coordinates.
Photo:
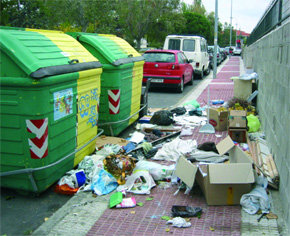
(157, 171)
(195, 112)
(65, 189)
(271, 216)
(186, 132)
(46, 218)
(178, 111)
(73, 178)
(149, 198)
(129, 147)
(115, 199)
(207, 146)
(119, 166)
(140, 204)
(173, 150)
(192, 104)
(127, 203)
(179, 222)
(185, 211)
(211, 228)
(257, 198)
(103, 182)
(140, 182)
(167, 230)
(133, 212)
(137, 137)
(166, 218)
(162, 117)
(253, 123)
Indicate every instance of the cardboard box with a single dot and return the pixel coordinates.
(237, 119)
(238, 135)
(223, 183)
(218, 119)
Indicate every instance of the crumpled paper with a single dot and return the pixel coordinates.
(179, 222)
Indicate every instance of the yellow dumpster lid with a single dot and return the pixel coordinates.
(42, 53)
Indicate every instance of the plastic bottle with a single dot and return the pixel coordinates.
(216, 102)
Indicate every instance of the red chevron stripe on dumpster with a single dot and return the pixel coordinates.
(39, 144)
(114, 101)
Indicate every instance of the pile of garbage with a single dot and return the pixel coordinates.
(162, 150)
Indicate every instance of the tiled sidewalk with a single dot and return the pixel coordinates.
(146, 220)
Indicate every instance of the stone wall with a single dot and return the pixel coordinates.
(270, 58)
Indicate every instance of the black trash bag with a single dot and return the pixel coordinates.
(179, 111)
(208, 146)
(195, 112)
(151, 153)
(185, 211)
(162, 117)
(157, 132)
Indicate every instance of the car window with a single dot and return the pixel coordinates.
(174, 44)
(188, 45)
(202, 46)
(181, 59)
(159, 57)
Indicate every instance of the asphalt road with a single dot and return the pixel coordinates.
(22, 214)
(164, 97)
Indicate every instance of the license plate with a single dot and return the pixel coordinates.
(157, 80)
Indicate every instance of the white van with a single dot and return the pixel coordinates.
(194, 47)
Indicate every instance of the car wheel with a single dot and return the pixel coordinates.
(207, 71)
(201, 74)
(192, 79)
(180, 87)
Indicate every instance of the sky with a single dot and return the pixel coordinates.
(245, 13)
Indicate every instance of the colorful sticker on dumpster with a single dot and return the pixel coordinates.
(114, 101)
(88, 107)
(39, 144)
(63, 103)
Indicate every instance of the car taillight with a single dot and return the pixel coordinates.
(197, 64)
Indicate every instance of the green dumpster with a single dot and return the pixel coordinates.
(50, 87)
(121, 80)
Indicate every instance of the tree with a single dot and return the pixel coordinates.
(23, 13)
(138, 16)
(196, 7)
(197, 24)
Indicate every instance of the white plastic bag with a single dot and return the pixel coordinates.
(157, 171)
(140, 182)
(179, 222)
(257, 198)
(173, 150)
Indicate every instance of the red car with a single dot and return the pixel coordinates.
(167, 68)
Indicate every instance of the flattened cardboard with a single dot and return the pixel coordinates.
(103, 140)
(218, 119)
(186, 171)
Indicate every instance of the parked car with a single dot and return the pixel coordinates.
(223, 53)
(218, 55)
(237, 51)
(195, 49)
(167, 68)
(229, 50)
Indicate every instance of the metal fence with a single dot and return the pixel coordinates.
(277, 12)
